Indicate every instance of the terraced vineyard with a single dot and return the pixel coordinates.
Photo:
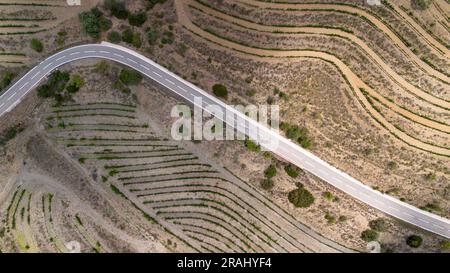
(206, 206)
(420, 121)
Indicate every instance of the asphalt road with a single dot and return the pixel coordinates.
(285, 148)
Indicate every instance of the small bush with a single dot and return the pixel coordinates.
(220, 91)
(301, 197)
(130, 77)
(379, 225)
(270, 172)
(36, 45)
(105, 24)
(137, 19)
(291, 170)
(114, 37)
(252, 146)
(90, 22)
(414, 241)
(328, 195)
(369, 235)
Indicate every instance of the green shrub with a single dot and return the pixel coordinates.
(102, 67)
(291, 170)
(270, 172)
(220, 91)
(137, 19)
(414, 241)
(127, 35)
(90, 22)
(152, 3)
(152, 36)
(117, 8)
(301, 197)
(369, 235)
(298, 134)
(379, 225)
(445, 245)
(114, 37)
(252, 146)
(10, 133)
(267, 184)
(130, 77)
(7, 78)
(36, 45)
(105, 24)
(328, 195)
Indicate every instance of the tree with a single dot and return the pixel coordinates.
(114, 37)
(130, 77)
(118, 9)
(137, 19)
(105, 24)
(414, 241)
(267, 184)
(270, 172)
(90, 22)
(220, 91)
(127, 35)
(291, 170)
(369, 235)
(301, 197)
(379, 225)
(36, 45)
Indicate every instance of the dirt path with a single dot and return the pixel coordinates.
(389, 72)
(353, 80)
(437, 47)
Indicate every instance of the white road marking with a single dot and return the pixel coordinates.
(426, 222)
(131, 60)
(75, 53)
(60, 58)
(167, 80)
(10, 97)
(157, 74)
(90, 51)
(182, 89)
(438, 226)
(105, 52)
(143, 66)
(118, 55)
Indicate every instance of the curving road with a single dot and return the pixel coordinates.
(284, 148)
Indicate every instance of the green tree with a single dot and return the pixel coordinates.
(36, 45)
(130, 77)
(291, 170)
(152, 36)
(127, 35)
(414, 241)
(267, 184)
(90, 22)
(301, 197)
(137, 19)
(379, 225)
(369, 235)
(105, 24)
(114, 37)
